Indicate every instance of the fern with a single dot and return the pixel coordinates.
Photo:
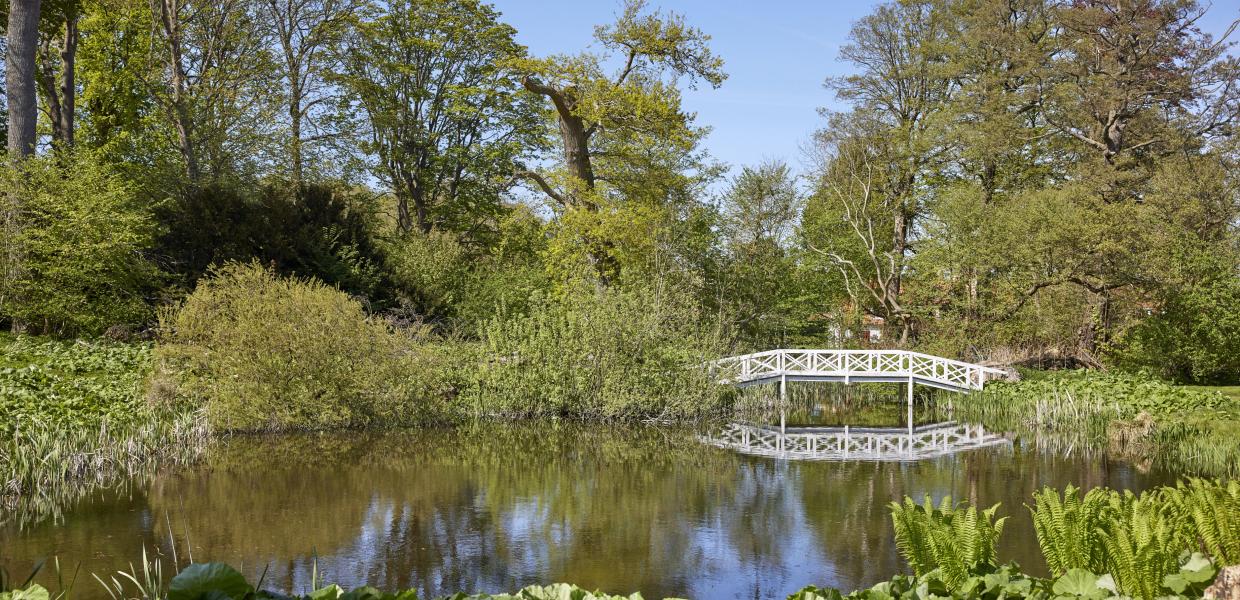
(1068, 528)
(956, 540)
(1141, 542)
(1212, 510)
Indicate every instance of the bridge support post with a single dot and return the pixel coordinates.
(910, 407)
(783, 403)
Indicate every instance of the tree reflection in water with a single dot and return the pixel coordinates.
(499, 506)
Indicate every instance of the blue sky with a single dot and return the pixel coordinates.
(777, 54)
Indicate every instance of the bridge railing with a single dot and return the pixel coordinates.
(847, 364)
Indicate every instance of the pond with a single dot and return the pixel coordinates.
(499, 506)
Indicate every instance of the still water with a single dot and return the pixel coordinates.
(497, 507)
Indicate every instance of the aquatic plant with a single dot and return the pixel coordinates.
(1132, 416)
(73, 416)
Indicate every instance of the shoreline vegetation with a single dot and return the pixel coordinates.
(1168, 542)
(250, 351)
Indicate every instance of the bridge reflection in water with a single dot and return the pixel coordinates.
(858, 443)
(847, 366)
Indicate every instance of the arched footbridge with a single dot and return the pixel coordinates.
(847, 366)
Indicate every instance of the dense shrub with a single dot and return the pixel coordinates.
(315, 231)
(446, 279)
(73, 240)
(598, 354)
(270, 353)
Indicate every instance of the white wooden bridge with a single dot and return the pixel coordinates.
(848, 366)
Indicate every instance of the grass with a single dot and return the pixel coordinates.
(73, 416)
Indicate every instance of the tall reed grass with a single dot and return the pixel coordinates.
(45, 465)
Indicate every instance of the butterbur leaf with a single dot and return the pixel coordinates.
(816, 593)
(1107, 582)
(34, 592)
(1198, 569)
(1078, 583)
(331, 592)
(1176, 583)
(364, 592)
(208, 581)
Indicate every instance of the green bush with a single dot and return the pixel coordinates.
(610, 354)
(73, 242)
(442, 277)
(268, 353)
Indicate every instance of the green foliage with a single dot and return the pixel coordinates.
(315, 230)
(1213, 509)
(74, 384)
(608, 354)
(1140, 541)
(1135, 415)
(1194, 335)
(443, 278)
(73, 241)
(1069, 528)
(1008, 581)
(73, 416)
(432, 85)
(262, 352)
(218, 581)
(954, 540)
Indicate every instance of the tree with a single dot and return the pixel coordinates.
(444, 114)
(877, 157)
(307, 32)
(858, 216)
(20, 76)
(630, 119)
(760, 210)
(211, 80)
(57, 67)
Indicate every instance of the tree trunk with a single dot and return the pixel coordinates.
(574, 135)
(68, 87)
(170, 22)
(23, 40)
(55, 77)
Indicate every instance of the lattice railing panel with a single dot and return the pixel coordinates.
(847, 363)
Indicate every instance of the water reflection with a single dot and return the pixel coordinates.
(497, 507)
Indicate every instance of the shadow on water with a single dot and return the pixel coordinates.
(496, 507)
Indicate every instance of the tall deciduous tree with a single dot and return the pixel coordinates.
(57, 67)
(306, 32)
(760, 210)
(20, 81)
(212, 80)
(621, 126)
(879, 156)
(443, 111)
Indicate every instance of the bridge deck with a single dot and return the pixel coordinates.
(848, 366)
